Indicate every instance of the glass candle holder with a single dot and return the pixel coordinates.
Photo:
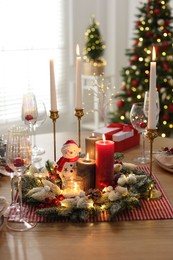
(73, 188)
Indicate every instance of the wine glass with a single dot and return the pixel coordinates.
(139, 122)
(42, 115)
(29, 117)
(18, 159)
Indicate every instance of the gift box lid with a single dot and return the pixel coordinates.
(105, 130)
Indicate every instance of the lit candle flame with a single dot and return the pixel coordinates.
(93, 135)
(87, 157)
(104, 138)
(75, 186)
(153, 54)
(77, 50)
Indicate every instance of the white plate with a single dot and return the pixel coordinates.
(169, 169)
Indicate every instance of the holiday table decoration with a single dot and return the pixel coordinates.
(53, 112)
(90, 145)
(123, 135)
(86, 170)
(66, 165)
(78, 105)
(104, 163)
(130, 185)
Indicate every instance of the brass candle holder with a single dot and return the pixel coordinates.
(151, 135)
(54, 116)
(79, 114)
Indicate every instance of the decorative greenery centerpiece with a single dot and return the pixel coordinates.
(45, 188)
(94, 50)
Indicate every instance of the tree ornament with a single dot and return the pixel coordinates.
(165, 44)
(157, 11)
(171, 82)
(167, 23)
(160, 22)
(136, 42)
(135, 58)
(165, 65)
(135, 82)
(148, 34)
(170, 108)
(165, 117)
(120, 103)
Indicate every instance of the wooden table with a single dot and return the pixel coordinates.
(135, 240)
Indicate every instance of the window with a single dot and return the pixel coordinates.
(31, 32)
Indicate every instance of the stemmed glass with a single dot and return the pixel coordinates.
(29, 117)
(18, 159)
(42, 115)
(139, 122)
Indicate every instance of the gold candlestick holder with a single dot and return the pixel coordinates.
(151, 135)
(79, 114)
(54, 116)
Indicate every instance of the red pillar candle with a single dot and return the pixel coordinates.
(104, 163)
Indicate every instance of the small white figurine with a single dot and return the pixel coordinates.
(67, 163)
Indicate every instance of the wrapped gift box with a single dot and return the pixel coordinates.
(124, 136)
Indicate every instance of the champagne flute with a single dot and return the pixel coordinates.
(19, 158)
(139, 122)
(42, 115)
(29, 117)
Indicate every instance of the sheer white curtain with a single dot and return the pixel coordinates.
(31, 32)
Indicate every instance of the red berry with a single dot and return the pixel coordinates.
(8, 169)
(18, 162)
(54, 176)
(143, 125)
(47, 200)
(117, 162)
(41, 206)
(61, 197)
(55, 202)
(28, 117)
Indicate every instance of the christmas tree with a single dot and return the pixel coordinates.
(152, 28)
(94, 47)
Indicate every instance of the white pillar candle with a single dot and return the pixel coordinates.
(152, 93)
(52, 87)
(78, 103)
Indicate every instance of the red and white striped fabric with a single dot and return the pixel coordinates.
(149, 210)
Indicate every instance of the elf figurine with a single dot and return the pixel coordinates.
(67, 163)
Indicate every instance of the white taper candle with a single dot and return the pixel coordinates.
(52, 87)
(152, 93)
(78, 103)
